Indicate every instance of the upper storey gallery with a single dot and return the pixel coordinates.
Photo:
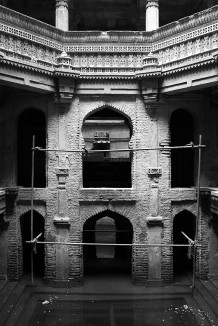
(106, 15)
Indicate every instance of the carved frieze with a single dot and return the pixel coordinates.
(186, 44)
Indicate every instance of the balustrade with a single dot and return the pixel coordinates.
(190, 41)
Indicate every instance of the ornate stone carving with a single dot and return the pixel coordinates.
(154, 171)
(186, 44)
(61, 3)
(152, 3)
(64, 61)
(154, 221)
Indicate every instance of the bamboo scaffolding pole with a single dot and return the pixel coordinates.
(32, 186)
(91, 151)
(189, 239)
(198, 214)
(162, 148)
(108, 244)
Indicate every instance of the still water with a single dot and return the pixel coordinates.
(168, 312)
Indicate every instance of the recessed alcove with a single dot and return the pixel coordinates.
(106, 130)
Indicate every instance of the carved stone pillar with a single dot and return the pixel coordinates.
(62, 15)
(154, 221)
(152, 15)
(61, 219)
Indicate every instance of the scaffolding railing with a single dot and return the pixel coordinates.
(192, 244)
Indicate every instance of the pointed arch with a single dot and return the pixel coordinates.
(182, 161)
(112, 108)
(104, 129)
(122, 233)
(38, 257)
(185, 222)
(31, 122)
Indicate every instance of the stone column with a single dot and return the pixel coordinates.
(61, 219)
(154, 220)
(152, 15)
(62, 15)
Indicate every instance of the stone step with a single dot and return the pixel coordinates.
(9, 303)
(16, 313)
(205, 300)
(6, 292)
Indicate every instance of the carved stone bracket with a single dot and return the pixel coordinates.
(154, 221)
(152, 108)
(65, 90)
(165, 143)
(154, 171)
(62, 174)
(62, 221)
(149, 89)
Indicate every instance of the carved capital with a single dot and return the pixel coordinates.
(61, 3)
(152, 3)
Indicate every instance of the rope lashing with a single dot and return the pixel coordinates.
(34, 243)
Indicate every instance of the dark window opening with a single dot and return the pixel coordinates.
(107, 130)
(38, 256)
(31, 122)
(182, 160)
(182, 258)
(107, 227)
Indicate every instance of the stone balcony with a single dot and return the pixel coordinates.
(37, 48)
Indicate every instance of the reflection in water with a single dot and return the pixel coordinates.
(154, 312)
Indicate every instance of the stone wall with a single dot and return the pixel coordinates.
(150, 205)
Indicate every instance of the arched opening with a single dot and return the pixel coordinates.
(107, 129)
(31, 122)
(182, 160)
(182, 258)
(109, 228)
(38, 256)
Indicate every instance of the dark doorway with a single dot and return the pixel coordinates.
(119, 260)
(182, 258)
(38, 256)
(31, 122)
(105, 130)
(182, 160)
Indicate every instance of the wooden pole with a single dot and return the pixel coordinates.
(198, 213)
(32, 186)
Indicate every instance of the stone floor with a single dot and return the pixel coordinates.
(108, 301)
